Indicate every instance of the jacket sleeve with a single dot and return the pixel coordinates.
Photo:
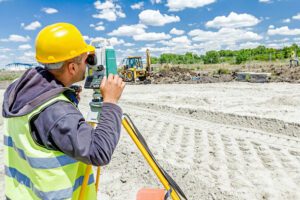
(62, 127)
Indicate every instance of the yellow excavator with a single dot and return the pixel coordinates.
(133, 69)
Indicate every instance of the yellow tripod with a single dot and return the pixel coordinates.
(160, 173)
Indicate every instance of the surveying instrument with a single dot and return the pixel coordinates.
(101, 64)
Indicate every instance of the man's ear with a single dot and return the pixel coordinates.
(72, 68)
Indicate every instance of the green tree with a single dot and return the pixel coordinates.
(240, 58)
(154, 60)
(211, 57)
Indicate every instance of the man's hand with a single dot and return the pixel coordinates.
(78, 90)
(78, 93)
(112, 88)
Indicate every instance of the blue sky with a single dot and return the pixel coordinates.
(163, 26)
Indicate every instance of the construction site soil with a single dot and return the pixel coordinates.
(177, 74)
(218, 141)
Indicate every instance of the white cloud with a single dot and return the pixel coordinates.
(288, 20)
(225, 36)
(233, 20)
(177, 5)
(283, 40)
(265, 1)
(99, 28)
(155, 49)
(86, 38)
(181, 41)
(16, 38)
(32, 26)
(207, 46)
(278, 45)
(155, 18)
(156, 1)
(249, 28)
(24, 47)
(249, 45)
(3, 57)
(128, 30)
(29, 54)
(105, 5)
(271, 26)
(49, 10)
(115, 41)
(126, 52)
(128, 44)
(108, 10)
(297, 17)
(176, 31)
(137, 6)
(179, 49)
(297, 39)
(5, 50)
(151, 36)
(284, 30)
(150, 45)
(28, 57)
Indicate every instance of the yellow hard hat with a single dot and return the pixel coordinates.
(60, 42)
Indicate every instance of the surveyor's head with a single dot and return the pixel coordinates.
(62, 50)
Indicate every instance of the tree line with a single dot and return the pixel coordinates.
(260, 53)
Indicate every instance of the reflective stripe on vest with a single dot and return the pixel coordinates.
(40, 163)
(58, 194)
(34, 172)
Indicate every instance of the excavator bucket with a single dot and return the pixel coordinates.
(150, 194)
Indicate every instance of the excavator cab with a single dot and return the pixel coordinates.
(133, 62)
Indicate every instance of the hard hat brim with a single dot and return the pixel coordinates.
(87, 49)
(90, 48)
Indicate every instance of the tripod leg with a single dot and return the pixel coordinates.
(148, 158)
(85, 182)
(87, 174)
(98, 178)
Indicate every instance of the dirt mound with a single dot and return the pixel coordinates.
(184, 75)
(172, 75)
(177, 74)
(285, 74)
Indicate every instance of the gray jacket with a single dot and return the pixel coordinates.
(61, 126)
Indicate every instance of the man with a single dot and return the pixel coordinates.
(294, 59)
(48, 144)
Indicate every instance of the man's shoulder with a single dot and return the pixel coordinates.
(60, 108)
(55, 112)
(60, 113)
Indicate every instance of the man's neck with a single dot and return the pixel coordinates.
(61, 78)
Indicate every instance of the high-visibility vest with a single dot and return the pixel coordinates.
(34, 172)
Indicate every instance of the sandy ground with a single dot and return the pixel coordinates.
(218, 141)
